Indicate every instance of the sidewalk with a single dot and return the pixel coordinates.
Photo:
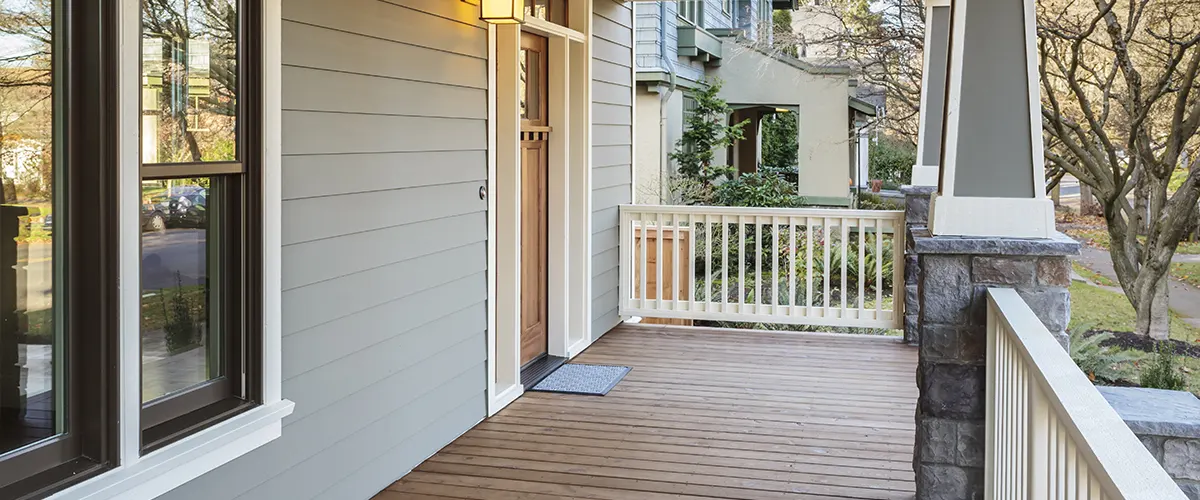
(1184, 299)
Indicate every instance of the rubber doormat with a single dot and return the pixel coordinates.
(593, 380)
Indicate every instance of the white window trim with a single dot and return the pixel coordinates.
(148, 476)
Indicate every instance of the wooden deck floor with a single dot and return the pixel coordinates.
(703, 414)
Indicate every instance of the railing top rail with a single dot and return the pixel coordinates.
(1099, 432)
(767, 212)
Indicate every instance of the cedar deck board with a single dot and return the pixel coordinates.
(777, 429)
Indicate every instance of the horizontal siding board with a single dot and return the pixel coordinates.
(378, 19)
(462, 12)
(605, 281)
(330, 216)
(605, 177)
(611, 72)
(433, 352)
(322, 90)
(412, 393)
(345, 455)
(611, 114)
(606, 261)
(316, 47)
(608, 156)
(310, 349)
(379, 473)
(369, 250)
(611, 135)
(330, 300)
(612, 52)
(308, 176)
(309, 132)
(604, 219)
(611, 196)
(612, 93)
(605, 240)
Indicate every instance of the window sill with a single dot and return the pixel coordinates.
(165, 469)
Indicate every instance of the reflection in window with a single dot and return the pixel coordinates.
(189, 81)
(180, 313)
(32, 399)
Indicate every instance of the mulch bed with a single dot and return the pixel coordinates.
(1130, 340)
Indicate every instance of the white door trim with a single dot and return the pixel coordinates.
(569, 198)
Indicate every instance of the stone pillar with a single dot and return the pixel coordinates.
(954, 275)
(1168, 424)
(916, 216)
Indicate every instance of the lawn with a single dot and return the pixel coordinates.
(1187, 272)
(1092, 276)
(1098, 237)
(1101, 309)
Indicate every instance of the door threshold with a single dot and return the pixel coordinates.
(539, 369)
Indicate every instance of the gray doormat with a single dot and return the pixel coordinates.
(593, 380)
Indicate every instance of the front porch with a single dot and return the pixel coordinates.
(704, 413)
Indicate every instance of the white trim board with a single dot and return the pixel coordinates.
(569, 183)
(1009, 217)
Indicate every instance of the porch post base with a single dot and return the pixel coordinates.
(916, 215)
(925, 176)
(954, 274)
(1003, 217)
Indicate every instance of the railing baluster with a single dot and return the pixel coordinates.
(675, 242)
(825, 273)
(879, 270)
(659, 239)
(808, 261)
(792, 265)
(844, 243)
(862, 265)
(725, 265)
(690, 263)
(774, 266)
(758, 237)
(741, 246)
(708, 263)
(644, 264)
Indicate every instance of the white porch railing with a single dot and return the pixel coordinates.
(1050, 434)
(770, 265)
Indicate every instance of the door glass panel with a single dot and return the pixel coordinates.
(181, 313)
(189, 80)
(32, 349)
(531, 84)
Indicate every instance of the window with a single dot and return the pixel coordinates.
(199, 332)
(57, 245)
(554, 11)
(691, 11)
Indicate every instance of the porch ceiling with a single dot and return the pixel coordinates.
(704, 413)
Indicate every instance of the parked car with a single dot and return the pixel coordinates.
(187, 206)
(153, 217)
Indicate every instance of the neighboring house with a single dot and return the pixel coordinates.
(681, 45)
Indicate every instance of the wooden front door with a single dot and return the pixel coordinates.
(535, 137)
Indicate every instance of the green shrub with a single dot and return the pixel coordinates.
(1162, 372)
(1100, 363)
(872, 201)
(180, 325)
(757, 190)
(891, 161)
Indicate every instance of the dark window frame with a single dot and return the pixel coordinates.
(170, 418)
(86, 53)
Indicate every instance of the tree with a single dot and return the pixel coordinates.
(780, 146)
(1121, 109)
(706, 131)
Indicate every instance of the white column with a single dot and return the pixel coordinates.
(933, 92)
(992, 179)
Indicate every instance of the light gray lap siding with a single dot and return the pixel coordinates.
(384, 256)
(612, 147)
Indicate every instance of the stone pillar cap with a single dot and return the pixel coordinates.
(1156, 412)
(923, 242)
